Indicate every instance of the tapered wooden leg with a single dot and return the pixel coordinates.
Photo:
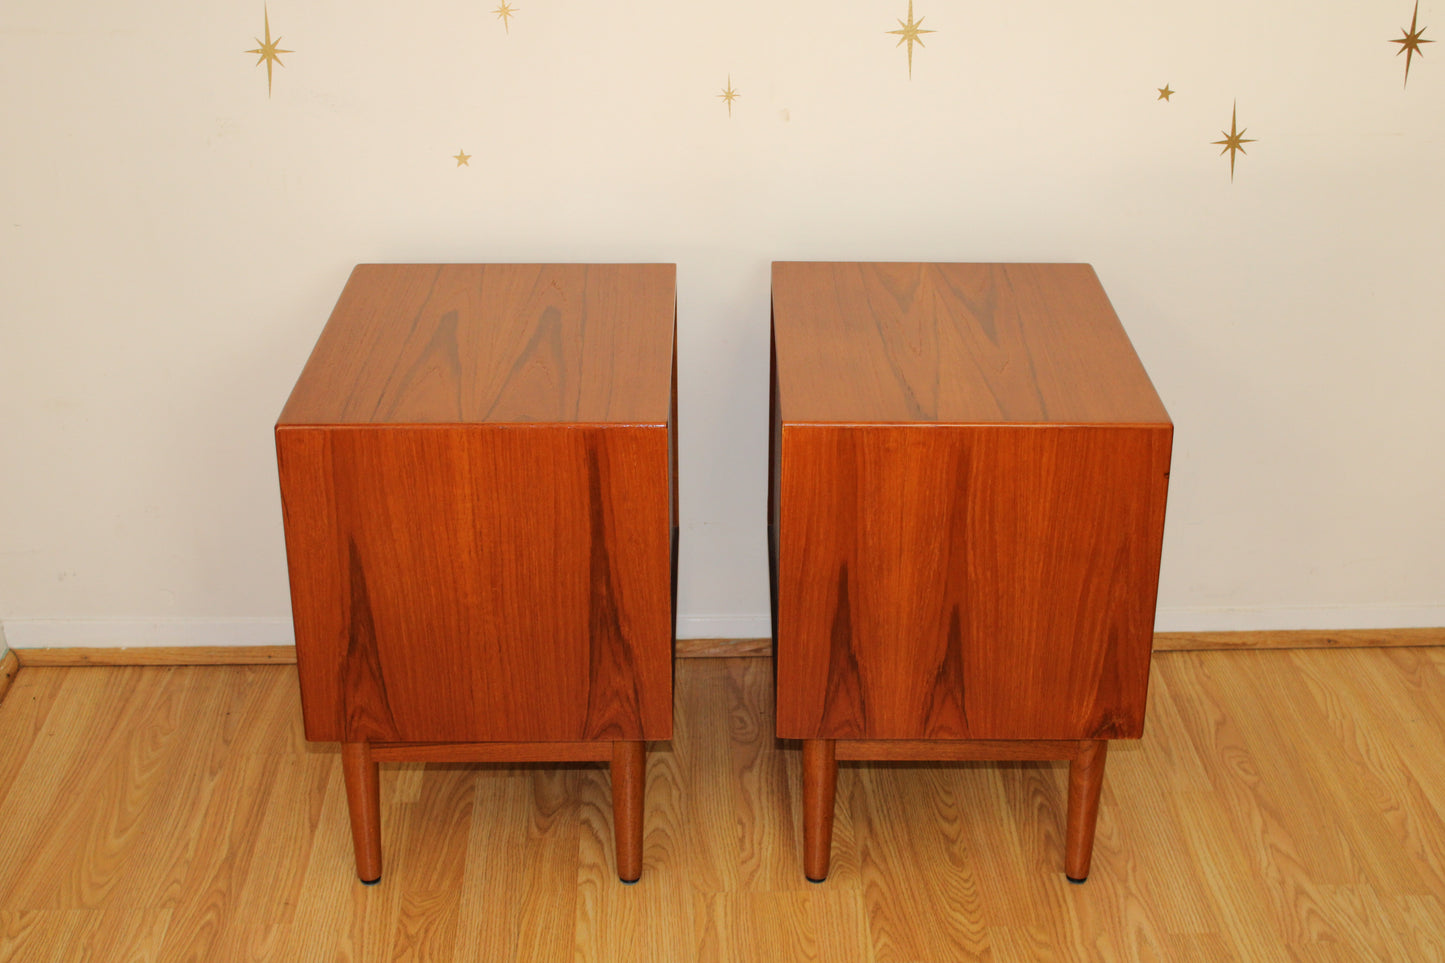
(820, 780)
(1086, 778)
(629, 776)
(363, 799)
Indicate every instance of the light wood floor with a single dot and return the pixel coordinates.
(1282, 806)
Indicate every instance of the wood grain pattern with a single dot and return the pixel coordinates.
(1281, 806)
(985, 583)
(869, 343)
(480, 584)
(493, 344)
(477, 486)
(968, 491)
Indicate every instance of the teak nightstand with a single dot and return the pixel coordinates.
(967, 482)
(478, 478)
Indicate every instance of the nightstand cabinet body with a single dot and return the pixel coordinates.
(477, 472)
(968, 479)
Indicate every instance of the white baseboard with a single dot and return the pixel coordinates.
(132, 632)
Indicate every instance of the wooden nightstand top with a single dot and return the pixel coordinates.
(493, 344)
(885, 343)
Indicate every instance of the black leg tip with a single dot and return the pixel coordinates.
(812, 880)
(628, 882)
(370, 882)
(1077, 882)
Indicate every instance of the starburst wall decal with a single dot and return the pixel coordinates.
(1235, 140)
(269, 51)
(505, 13)
(729, 95)
(908, 32)
(1411, 40)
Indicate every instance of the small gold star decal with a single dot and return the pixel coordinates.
(909, 33)
(462, 157)
(729, 95)
(1165, 93)
(268, 51)
(504, 12)
(1234, 140)
(1411, 41)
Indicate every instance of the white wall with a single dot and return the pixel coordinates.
(171, 241)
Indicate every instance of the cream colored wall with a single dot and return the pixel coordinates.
(171, 241)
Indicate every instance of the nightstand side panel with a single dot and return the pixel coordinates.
(967, 582)
(480, 583)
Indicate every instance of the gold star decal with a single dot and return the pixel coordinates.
(909, 33)
(729, 95)
(268, 51)
(504, 12)
(461, 157)
(1234, 140)
(1165, 93)
(1411, 41)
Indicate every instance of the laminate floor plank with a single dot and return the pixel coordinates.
(1398, 830)
(429, 866)
(40, 755)
(1282, 806)
(36, 936)
(120, 827)
(765, 781)
(1143, 797)
(525, 834)
(918, 880)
